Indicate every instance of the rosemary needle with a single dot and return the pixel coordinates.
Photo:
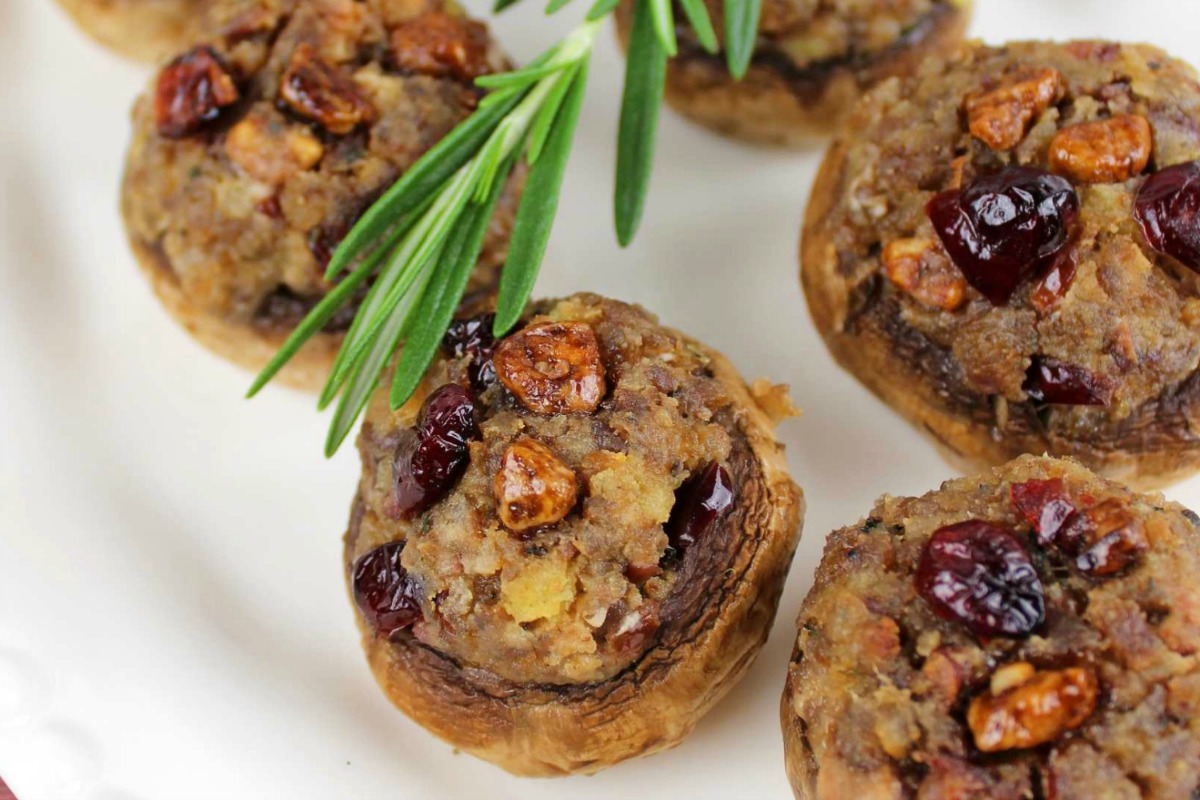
(418, 244)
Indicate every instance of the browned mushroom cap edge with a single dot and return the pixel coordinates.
(780, 103)
(712, 625)
(866, 333)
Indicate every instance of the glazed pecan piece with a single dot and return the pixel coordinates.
(191, 91)
(1106, 151)
(441, 45)
(919, 268)
(999, 117)
(316, 90)
(534, 487)
(1105, 539)
(1025, 708)
(553, 368)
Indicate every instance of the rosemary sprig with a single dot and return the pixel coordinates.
(422, 238)
(418, 243)
(741, 34)
(637, 132)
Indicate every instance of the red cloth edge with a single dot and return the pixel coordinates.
(5, 792)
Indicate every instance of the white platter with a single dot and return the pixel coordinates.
(173, 622)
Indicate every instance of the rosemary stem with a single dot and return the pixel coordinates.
(576, 47)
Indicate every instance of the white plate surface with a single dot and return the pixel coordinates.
(172, 617)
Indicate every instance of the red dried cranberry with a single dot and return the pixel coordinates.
(1054, 285)
(979, 574)
(698, 504)
(473, 338)
(1045, 505)
(385, 593)
(1051, 381)
(1168, 210)
(191, 92)
(429, 461)
(1003, 228)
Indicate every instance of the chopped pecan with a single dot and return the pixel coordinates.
(999, 117)
(533, 487)
(958, 172)
(920, 268)
(270, 150)
(1104, 539)
(316, 90)
(441, 45)
(1025, 708)
(1105, 151)
(944, 674)
(191, 91)
(552, 367)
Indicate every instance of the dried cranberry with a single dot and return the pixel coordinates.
(1003, 228)
(979, 574)
(1168, 210)
(1045, 505)
(385, 593)
(429, 461)
(472, 338)
(191, 92)
(1051, 381)
(698, 504)
(1054, 285)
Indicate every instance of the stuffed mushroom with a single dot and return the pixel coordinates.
(571, 543)
(1029, 632)
(1005, 249)
(146, 30)
(811, 64)
(255, 153)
